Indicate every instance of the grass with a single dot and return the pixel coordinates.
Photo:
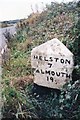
(18, 87)
(19, 100)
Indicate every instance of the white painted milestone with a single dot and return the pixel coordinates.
(52, 63)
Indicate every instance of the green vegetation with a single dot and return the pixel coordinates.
(58, 20)
(9, 23)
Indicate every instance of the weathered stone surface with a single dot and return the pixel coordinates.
(52, 63)
(1, 100)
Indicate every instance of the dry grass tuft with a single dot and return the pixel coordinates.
(21, 82)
